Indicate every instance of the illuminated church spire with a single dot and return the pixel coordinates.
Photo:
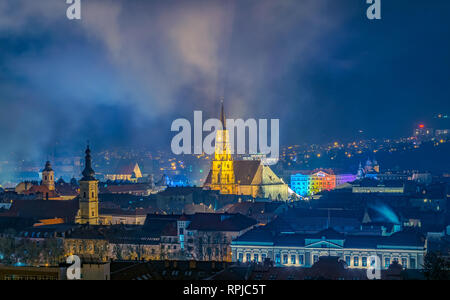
(223, 178)
(222, 115)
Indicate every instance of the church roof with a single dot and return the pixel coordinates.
(40, 189)
(88, 173)
(125, 168)
(45, 209)
(244, 171)
(66, 189)
(127, 188)
(48, 167)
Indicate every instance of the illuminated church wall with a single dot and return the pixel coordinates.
(242, 177)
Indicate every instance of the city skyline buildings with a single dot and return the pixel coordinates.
(350, 182)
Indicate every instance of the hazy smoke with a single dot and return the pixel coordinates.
(128, 68)
(386, 212)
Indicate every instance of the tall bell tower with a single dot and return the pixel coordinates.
(88, 212)
(222, 178)
(48, 176)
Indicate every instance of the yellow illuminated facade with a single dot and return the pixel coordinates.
(48, 177)
(88, 211)
(222, 177)
(241, 177)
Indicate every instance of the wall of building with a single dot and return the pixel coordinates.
(307, 185)
(306, 257)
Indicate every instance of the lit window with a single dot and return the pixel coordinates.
(404, 262)
(240, 257)
(356, 261)
(315, 258)
(277, 259)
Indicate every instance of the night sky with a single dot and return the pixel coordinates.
(122, 74)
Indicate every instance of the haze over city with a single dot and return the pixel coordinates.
(135, 66)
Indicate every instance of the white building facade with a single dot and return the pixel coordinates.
(303, 250)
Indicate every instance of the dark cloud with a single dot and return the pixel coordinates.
(128, 68)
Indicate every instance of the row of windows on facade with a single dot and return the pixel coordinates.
(312, 184)
(209, 252)
(40, 234)
(169, 240)
(317, 181)
(105, 248)
(209, 240)
(301, 260)
(30, 277)
(89, 247)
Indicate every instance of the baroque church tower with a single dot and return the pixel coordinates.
(88, 212)
(222, 177)
(48, 176)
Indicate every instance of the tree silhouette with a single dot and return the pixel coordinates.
(436, 267)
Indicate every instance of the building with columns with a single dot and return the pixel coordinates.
(88, 212)
(303, 250)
